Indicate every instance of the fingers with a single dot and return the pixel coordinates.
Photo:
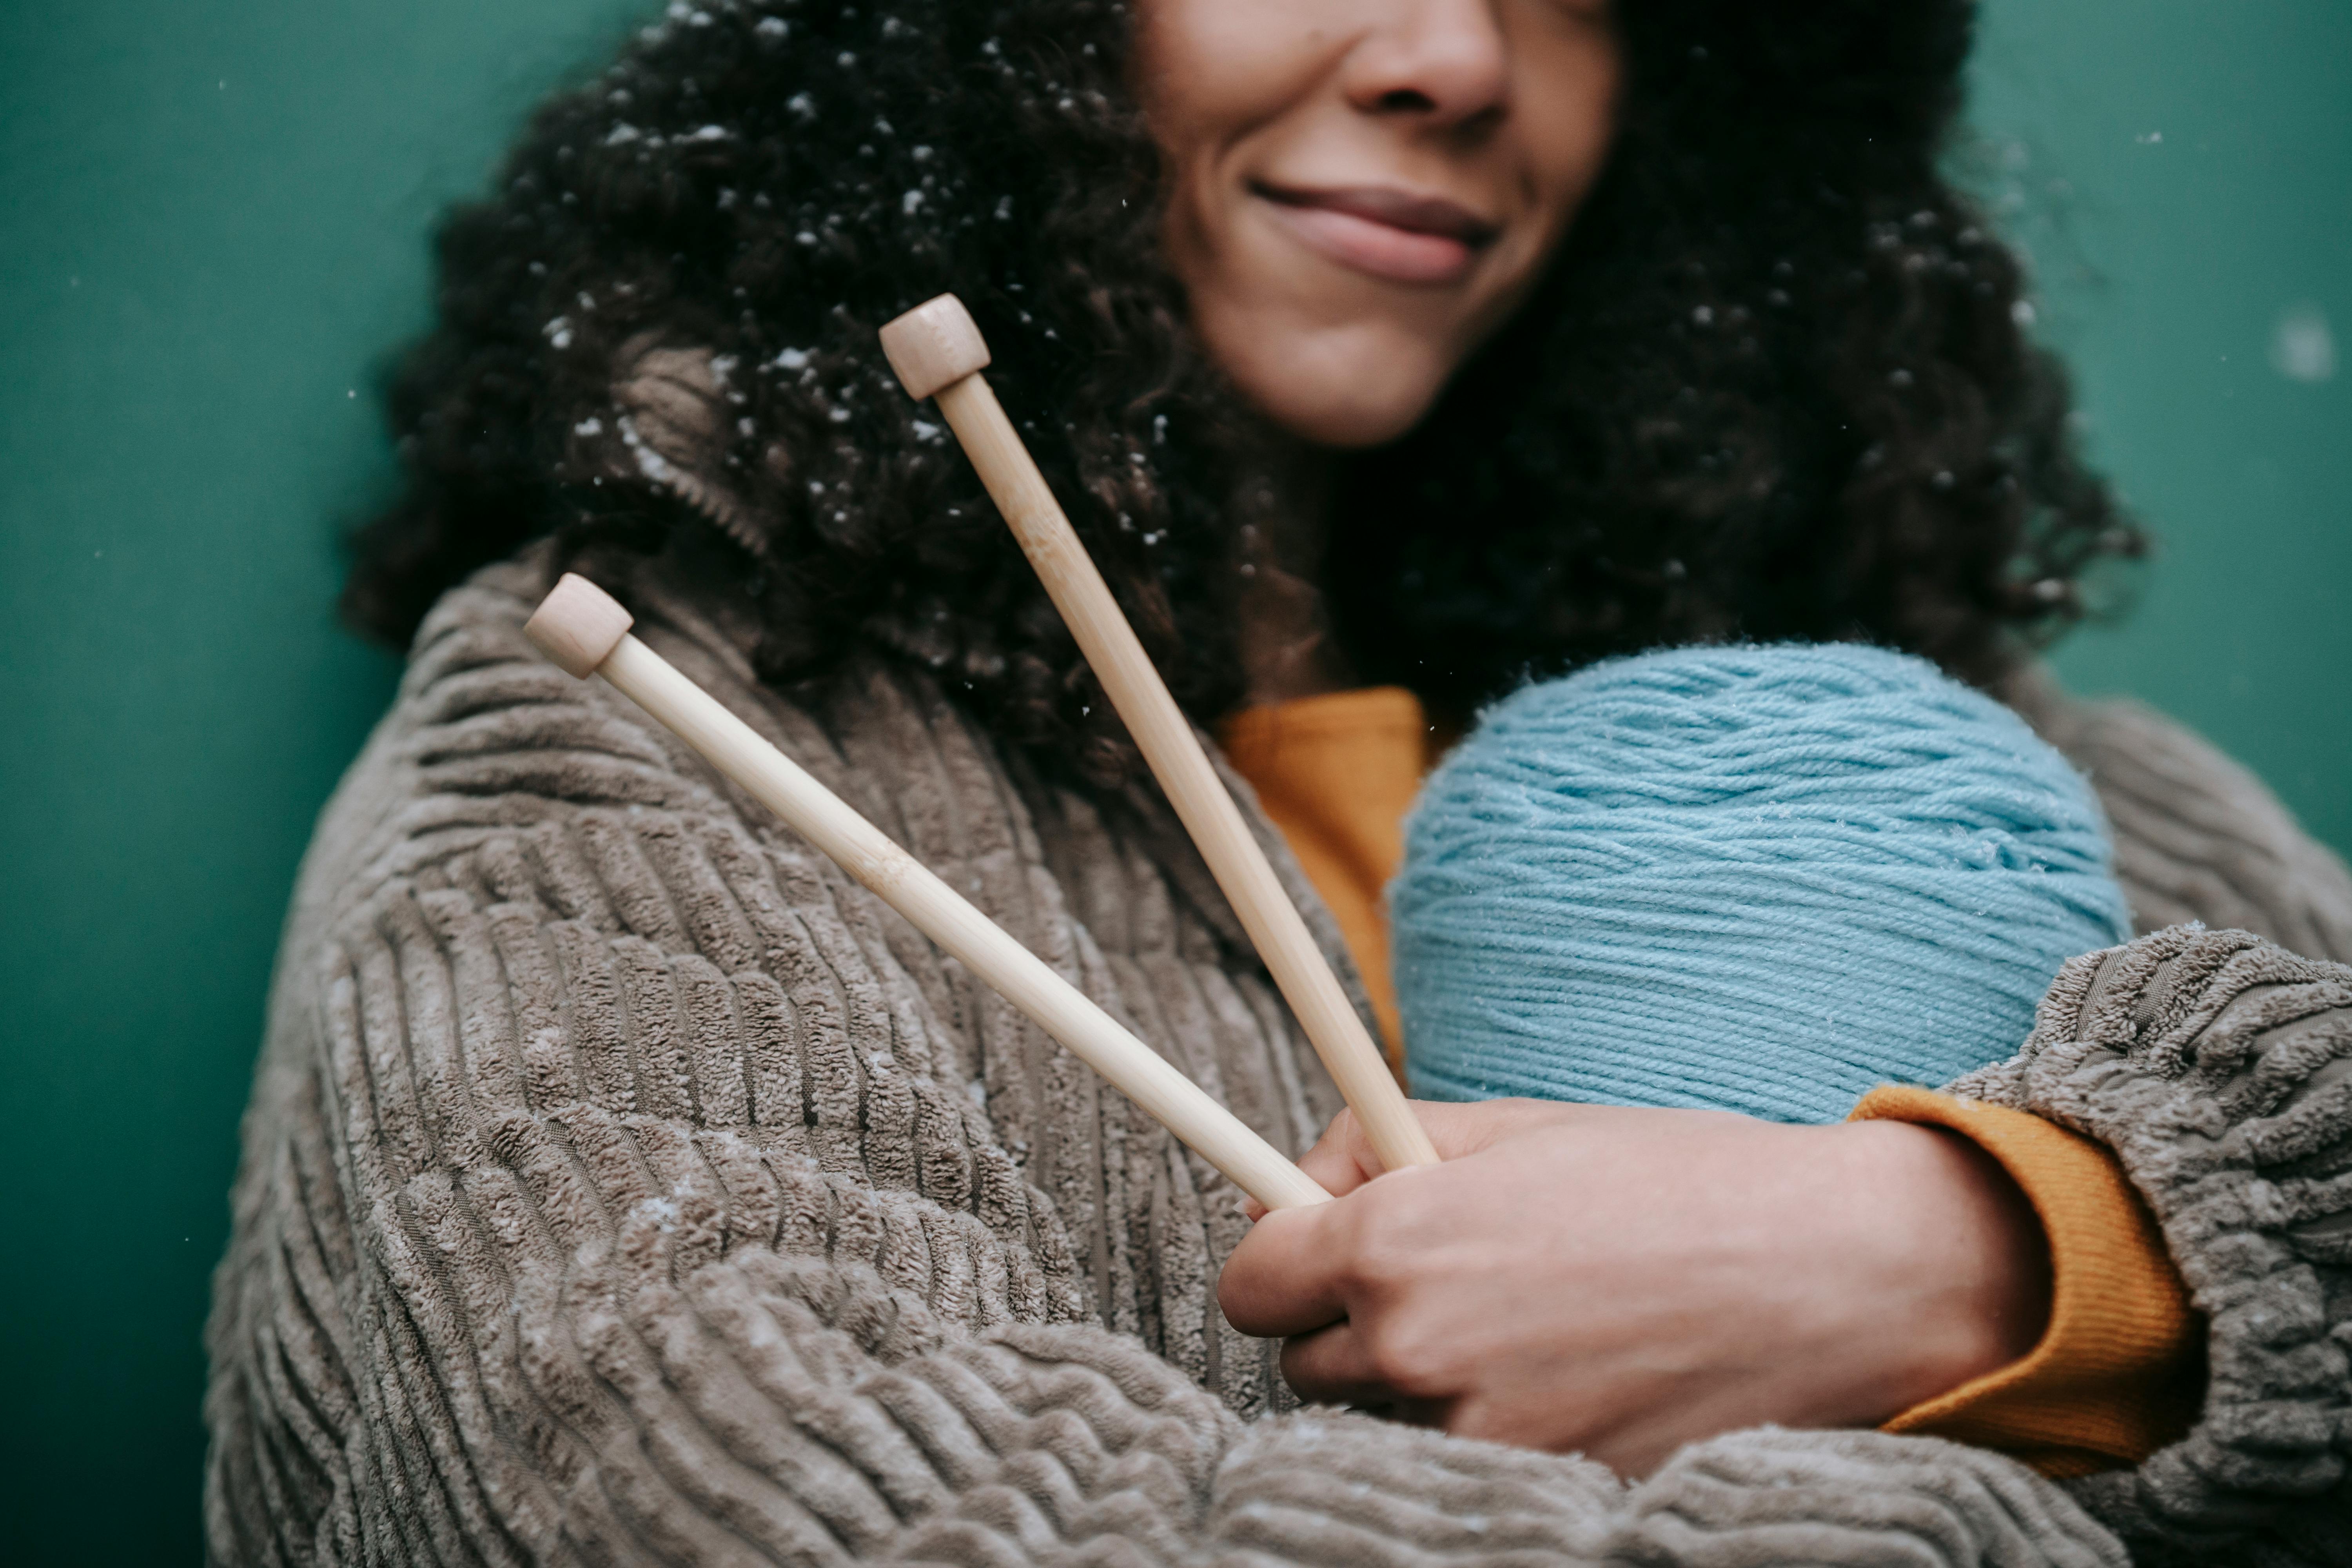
(1292, 1274)
(1331, 1366)
(1283, 1279)
(1342, 1159)
(1286, 1276)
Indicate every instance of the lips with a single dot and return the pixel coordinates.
(1389, 233)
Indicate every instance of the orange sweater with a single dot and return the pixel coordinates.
(2116, 1374)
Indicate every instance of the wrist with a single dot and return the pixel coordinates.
(1959, 1256)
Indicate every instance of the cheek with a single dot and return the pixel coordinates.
(1219, 81)
(1208, 71)
(1192, 96)
(1568, 116)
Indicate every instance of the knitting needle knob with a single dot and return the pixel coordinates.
(586, 632)
(938, 352)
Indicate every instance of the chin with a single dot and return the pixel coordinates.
(1368, 409)
(1361, 380)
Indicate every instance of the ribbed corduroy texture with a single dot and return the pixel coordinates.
(1750, 879)
(622, 1184)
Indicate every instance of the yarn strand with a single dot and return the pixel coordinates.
(1756, 879)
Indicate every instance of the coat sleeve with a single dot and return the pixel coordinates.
(604, 1161)
(2218, 1067)
(2198, 836)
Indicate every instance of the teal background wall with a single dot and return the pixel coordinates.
(212, 221)
(2180, 172)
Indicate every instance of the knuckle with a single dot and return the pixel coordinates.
(1381, 1262)
(1297, 1361)
(1405, 1357)
(1340, 1132)
(1366, 1256)
(1388, 1234)
(1306, 1365)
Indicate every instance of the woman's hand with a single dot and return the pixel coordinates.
(1621, 1283)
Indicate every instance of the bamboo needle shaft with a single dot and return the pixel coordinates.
(584, 630)
(938, 352)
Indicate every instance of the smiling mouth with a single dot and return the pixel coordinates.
(1389, 233)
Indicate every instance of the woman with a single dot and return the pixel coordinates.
(623, 1184)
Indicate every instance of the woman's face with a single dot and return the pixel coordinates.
(1362, 190)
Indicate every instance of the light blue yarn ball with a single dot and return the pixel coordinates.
(1752, 878)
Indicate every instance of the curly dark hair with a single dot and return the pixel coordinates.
(1773, 386)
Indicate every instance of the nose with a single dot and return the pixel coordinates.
(1444, 62)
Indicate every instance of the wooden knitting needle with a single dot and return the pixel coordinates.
(938, 352)
(584, 630)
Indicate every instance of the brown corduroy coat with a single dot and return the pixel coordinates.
(624, 1185)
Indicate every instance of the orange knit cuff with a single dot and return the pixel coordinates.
(2119, 1374)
